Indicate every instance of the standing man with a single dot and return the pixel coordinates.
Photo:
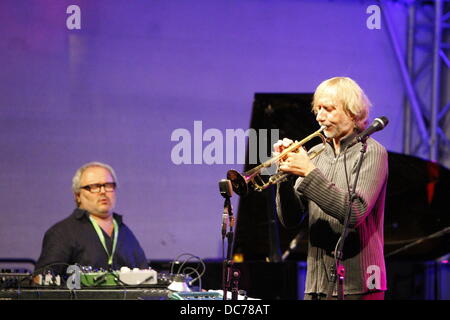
(321, 188)
(93, 235)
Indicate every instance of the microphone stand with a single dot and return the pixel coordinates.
(230, 276)
(337, 268)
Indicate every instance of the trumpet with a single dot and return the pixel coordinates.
(241, 182)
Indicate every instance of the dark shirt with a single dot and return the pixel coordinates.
(75, 241)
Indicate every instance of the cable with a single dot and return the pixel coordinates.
(176, 261)
(118, 281)
(187, 260)
(123, 284)
(182, 268)
(144, 281)
(349, 203)
(346, 173)
(198, 278)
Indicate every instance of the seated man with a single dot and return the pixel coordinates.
(93, 235)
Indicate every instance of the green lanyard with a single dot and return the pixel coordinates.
(102, 238)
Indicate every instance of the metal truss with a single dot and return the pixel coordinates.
(425, 70)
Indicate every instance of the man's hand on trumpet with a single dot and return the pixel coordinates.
(297, 163)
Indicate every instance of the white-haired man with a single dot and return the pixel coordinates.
(93, 235)
(321, 188)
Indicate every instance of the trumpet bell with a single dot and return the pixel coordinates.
(238, 182)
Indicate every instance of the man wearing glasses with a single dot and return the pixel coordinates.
(93, 235)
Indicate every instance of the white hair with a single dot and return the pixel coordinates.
(77, 177)
(349, 94)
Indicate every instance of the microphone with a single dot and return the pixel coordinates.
(377, 125)
(226, 190)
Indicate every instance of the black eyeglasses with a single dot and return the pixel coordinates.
(96, 187)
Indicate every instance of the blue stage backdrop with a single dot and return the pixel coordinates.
(117, 81)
